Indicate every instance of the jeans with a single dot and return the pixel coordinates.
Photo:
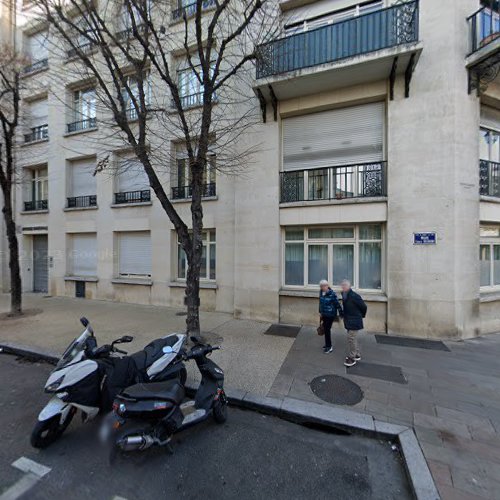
(327, 325)
(352, 343)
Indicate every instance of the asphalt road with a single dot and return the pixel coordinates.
(252, 456)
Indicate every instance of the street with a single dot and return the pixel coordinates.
(252, 456)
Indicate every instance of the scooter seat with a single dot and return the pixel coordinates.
(164, 391)
(153, 352)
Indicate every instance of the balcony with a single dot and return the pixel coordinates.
(489, 178)
(370, 47)
(128, 33)
(35, 67)
(367, 180)
(39, 133)
(143, 196)
(190, 9)
(82, 201)
(483, 61)
(36, 205)
(81, 125)
(185, 192)
(84, 48)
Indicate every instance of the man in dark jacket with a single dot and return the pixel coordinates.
(328, 307)
(354, 311)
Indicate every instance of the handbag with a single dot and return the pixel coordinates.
(321, 329)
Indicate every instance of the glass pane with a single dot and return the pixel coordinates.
(484, 150)
(294, 264)
(212, 261)
(484, 264)
(181, 263)
(370, 265)
(489, 231)
(318, 184)
(496, 265)
(331, 232)
(212, 235)
(370, 232)
(343, 263)
(203, 268)
(294, 234)
(318, 263)
(494, 146)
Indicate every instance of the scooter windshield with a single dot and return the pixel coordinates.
(74, 349)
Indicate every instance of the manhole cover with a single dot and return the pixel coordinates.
(337, 390)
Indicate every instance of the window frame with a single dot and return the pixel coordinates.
(356, 242)
(491, 242)
(77, 104)
(208, 243)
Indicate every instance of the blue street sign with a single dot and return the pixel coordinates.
(424, 238)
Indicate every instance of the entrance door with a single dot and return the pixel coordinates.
(40, 263)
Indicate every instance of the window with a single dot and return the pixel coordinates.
(83, 254)
(131, 93)
(132, 13)
(189, 84)
(489, 256)
(38, 115)
(132, 182)
(83, 110)
(208, 259)
(38, 47)
(134, 254)
(181, 178)
(37, 189)
(82, 186)
(334, 253)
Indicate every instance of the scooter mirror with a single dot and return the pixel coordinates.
(126, 338)
(84, 321)
(167, 350)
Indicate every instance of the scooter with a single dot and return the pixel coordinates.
(88, 377)
(145, 415)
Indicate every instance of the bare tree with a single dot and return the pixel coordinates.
(133, 50)
(10, 95)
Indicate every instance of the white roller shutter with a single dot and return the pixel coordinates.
(337, 137)
(83, 182)
(132, 176)
(39, 113)
(490, 118)
(135, 253)
(84, 255)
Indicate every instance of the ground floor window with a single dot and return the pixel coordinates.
(134, 254)
(334, 253)
(82, 254)
(208, 257)
(489, 256)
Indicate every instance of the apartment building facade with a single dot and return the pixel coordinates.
(376, 160)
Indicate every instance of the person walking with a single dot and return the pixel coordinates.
(354, 308)
(329, 308)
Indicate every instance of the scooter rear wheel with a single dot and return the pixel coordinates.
(46, 432)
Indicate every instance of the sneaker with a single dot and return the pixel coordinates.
(328, 350)
(349, 362)
(357, 357)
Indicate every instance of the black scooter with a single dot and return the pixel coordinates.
(146, 415)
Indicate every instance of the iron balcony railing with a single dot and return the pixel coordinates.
(334, 183)
(38, 133)
(489, 178)
(84, 48)
(36, 66)
(185, 192)
(366, 33)
(190, 9)
(82, 201)
(80, 125)
(142, 196)
(31, 206)
(128, 33)
(484, 26)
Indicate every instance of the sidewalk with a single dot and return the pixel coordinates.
(451, 399)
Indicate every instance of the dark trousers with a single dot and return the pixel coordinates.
(327, 325)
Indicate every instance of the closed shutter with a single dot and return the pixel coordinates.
(84, 255)
(490, 117)
(83, 182)
(132, 176)
(39, 113)
(337, 137)
(135, 254)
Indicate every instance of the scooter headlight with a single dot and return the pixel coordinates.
(54, 385)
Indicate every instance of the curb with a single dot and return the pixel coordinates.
(303, 412)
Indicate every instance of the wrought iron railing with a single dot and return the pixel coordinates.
(364, 180)
(484, 26)
(80, 125)
(489, 178)
(84, 48)
(82, 201)
(185, 192)
(190, 9)
(36, 66)
(133, 197)
(128, 33)
(37, 134)
(30, 206)
(366, 33)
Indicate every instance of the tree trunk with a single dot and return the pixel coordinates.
(15, 272)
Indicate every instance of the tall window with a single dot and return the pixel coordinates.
(334, 253)
(132, 93)
(83, 110)
(38, 116)
(134, 254)
(208, 259)
(132, 13)
(489, 256)
(38, 47)
(83, 254)
(39, 184)
(190, 85)
(489, 145)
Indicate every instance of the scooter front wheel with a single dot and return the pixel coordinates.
(47, 431)
(220, 411)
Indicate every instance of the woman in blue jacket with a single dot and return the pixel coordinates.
(329, 307)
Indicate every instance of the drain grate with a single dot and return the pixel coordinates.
(337, 390)
(281, 330)
(434, 345)
(381, 372)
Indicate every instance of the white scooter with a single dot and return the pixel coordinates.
(88, 378)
